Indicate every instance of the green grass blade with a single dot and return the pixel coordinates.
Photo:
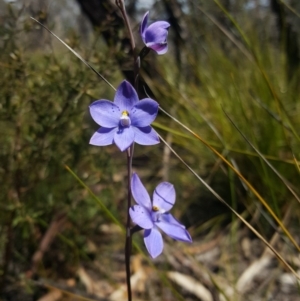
(249, 185)
(290, 8)
(280, 107)
(233, 211)
(76, 54)
(285, 182)
(98, 201)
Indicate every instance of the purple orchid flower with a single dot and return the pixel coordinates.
(153, 215)
(126, 120)
(155, 35)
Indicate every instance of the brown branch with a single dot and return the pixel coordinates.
(55, 227)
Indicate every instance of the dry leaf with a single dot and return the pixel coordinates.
(94, 286)
(246, 279)
(191, 285)
(53, 295)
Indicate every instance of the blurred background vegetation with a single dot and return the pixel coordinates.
(235, 57)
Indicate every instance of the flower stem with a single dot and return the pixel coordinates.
(121, 6)
(136, 68)
(136, 59)
(128, 242)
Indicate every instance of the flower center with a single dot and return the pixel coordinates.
(155, 214)
(155, 208)
(125, 119)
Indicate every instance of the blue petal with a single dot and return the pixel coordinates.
(158, 48)
(164, 196)
(126, 96)
(177, 232)
(141, 216)
(154, 242)
(124, 137)
(144, 112)
(105, 113)
(169, 218)
(157, 32)
(144, 26)
(159, 25)
(140, 193)
(103, 136)
(145, 136)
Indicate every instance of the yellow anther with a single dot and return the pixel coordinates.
(125, 113)
(154, 208)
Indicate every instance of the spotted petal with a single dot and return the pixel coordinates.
(103, 136)
(140, 193)
(124, 137)
(164, 196)
(141, 216)
(126, 96)
(105, 113)
(154, 242)
(144, 112)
